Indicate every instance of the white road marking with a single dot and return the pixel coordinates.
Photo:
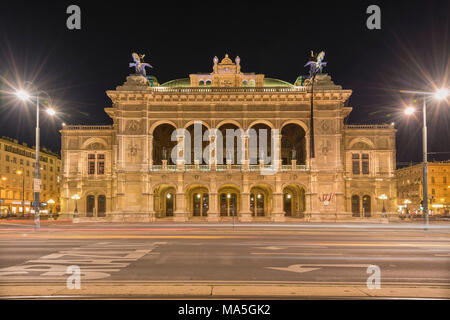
(301, 268)
(271, 248)
(297, 253)
(96, 261)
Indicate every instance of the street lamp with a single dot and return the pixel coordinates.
(383, 197)
(76, 198)
(25, 96)
(440, 94)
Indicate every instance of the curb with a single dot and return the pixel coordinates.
(220, 291)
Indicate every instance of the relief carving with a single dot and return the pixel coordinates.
(133, 126)
(326, 126)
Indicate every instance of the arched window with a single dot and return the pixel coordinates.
(244, 83)
(101, 200)
(355, 206)
(201, 83)
(366, 206)
(293, 144)
(208, 83)
(90, 205)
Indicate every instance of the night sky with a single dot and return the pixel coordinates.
(76, 67)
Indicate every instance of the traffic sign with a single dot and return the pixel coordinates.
(37, 185)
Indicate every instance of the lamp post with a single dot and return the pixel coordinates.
(24, 96)
(439, 95)
(76, 197)
(383, 197)
(406, 202)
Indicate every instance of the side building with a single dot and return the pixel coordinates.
(409, 187)
(17, 163)
(144, 167)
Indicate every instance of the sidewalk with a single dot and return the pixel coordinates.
(214, 291)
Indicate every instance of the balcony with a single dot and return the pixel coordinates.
(225, 167)
(83, 127)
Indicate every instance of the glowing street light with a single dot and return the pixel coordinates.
(76, 197)
(51, 111)
(440, 94)
(409, 111)
(25, 96)
(383, 197)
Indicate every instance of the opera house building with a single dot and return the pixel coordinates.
(226, 145)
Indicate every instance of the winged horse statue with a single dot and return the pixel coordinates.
(139, 64)
(316, 64)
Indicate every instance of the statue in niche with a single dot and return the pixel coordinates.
(294, 154)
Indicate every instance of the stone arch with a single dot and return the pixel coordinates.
(160, 122)
(294, 200)
(92, 140)
(229, 200)
(293, 144)
(197, 200)
(229, 121)
(261, 199)
(160, 205)
(298, 122)
(162, 144)
(260, 121)
(363, 140)
(191, 122)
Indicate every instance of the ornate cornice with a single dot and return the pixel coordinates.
(224, 95)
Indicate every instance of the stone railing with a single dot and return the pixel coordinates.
(368, 126)
(87, 127)
(225, 167)
(227, 89)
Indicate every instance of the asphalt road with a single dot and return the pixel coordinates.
(313, 255)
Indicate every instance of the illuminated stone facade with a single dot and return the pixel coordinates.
(409, 187)
(16, 178)
(125, 171)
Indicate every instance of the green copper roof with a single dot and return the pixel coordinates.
(271, 82)
(184, 82)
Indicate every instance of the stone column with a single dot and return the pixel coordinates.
(213, 213)
(180, 214)
(245, 215)
(213, 150)
(150, 152)
(277, 210)
(276, 156)
(151, 210)
(245, 152)
(180, 159)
